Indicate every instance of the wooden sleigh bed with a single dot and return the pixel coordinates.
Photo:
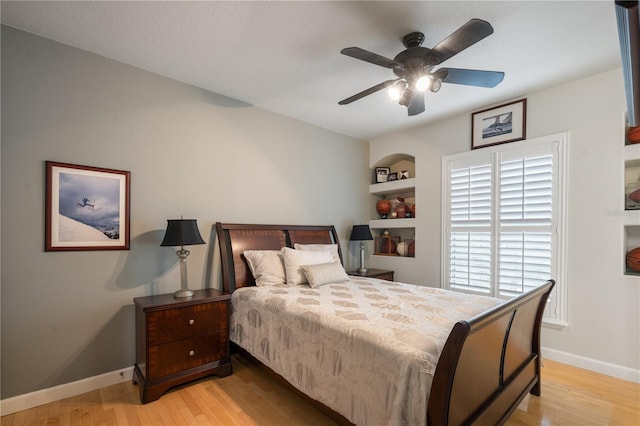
(489, 363)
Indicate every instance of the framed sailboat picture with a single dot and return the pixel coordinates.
(500, 124)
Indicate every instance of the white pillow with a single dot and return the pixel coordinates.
(331, 248)
(325, 273)
(294, 259)
(267, 266)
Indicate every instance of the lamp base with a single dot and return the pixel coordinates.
(362, 270)
(181, 294)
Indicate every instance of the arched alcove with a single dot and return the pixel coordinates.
(393, 180)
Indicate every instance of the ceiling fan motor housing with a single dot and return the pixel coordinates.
(413, 39)
(415, 63)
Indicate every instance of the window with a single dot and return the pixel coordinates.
(503, 217)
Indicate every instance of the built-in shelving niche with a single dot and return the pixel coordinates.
(404, 227)
(631, 241)
(632, 184)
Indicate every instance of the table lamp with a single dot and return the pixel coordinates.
(361, 233)
(182, 232)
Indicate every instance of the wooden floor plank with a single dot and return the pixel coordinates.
(250, 396)
(64, 415)
(75, 410)
(8, 419)
(573, 396)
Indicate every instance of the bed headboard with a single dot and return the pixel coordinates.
(234, 238)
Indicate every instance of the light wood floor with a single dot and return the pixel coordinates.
(570, 396)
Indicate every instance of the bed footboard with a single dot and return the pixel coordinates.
(490, 363)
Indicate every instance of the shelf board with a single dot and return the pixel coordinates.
(395, 186)
(392, 223)
(631, 152)
(387, 256)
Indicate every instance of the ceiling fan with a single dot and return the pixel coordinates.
(414, 66)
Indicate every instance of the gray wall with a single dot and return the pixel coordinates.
(69, 315)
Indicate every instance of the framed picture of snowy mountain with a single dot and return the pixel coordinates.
(87, 208)
(500, 124)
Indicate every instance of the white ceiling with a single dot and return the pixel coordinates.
(285, 56)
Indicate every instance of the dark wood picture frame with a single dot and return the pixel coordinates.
(86, 208)
(500, 124)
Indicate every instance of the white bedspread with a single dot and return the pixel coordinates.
(365, 348)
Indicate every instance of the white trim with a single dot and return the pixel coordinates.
(491, 154)
(562, 292)
(56, 393)
(614, 370)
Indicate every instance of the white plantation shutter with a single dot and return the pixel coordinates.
(525, 261)
(501, 207)
(470, 221)
(526, 212)
(470, 261)
(526, 186)
(471, 195)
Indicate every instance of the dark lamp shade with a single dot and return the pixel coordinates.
(360, 233)
(182, 232)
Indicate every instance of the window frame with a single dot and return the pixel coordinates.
(559, 143)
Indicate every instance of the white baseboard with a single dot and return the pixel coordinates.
(618, 371)
(56, 393)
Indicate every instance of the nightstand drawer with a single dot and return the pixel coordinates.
(385, 276)
(171, 324)
(173, 357)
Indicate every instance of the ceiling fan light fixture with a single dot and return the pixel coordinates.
(423, 83)
(436, 85)
(406, 97)
(395, 92)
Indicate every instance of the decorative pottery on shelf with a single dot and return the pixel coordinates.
(386, 245)
(412, 209)
(401, 210)
(633, 259)
(412, 249)
(403, 248)
(383, 207)
(406, 248)
(633, 134)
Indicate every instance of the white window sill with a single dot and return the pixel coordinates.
(554, 324)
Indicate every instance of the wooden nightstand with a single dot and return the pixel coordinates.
(383, 274)
(180, 340)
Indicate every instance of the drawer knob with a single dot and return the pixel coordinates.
(192, 321)
(192, 353)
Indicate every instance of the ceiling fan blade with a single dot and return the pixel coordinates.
(469, 77)
(368, 91)
(416, 104)
(374, 58)
(465, 36)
